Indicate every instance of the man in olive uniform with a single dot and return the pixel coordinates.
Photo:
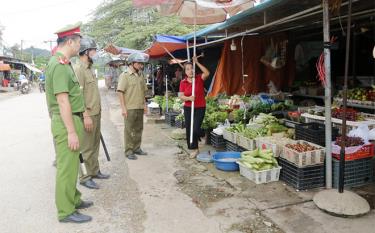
(66, 104)
(131, 92)
(92, 114)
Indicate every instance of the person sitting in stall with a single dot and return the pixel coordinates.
(185, 94)
(177, 78)
(160, 81)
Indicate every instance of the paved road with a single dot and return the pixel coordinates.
(141, 195)
(27, 177)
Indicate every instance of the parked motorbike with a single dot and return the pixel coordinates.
(23, 86)
(42, 86)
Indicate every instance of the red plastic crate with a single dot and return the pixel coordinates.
(366, 151)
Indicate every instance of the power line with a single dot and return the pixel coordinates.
(31, 10)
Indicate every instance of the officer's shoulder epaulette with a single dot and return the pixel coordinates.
(63, 60)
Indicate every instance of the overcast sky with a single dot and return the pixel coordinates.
(35, 21)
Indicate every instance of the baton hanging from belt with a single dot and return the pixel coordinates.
(83, 167)
(105, 147)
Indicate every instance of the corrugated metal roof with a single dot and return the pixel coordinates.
(286, 15)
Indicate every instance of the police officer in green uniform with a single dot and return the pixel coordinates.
(131, 92)
(66, 103)
(92, 114)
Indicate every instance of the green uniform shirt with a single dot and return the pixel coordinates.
(89, 84)
(60, 78)
(134, 88)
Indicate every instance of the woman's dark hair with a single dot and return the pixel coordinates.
(188, 63)
(185, 64)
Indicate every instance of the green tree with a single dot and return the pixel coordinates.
(15, 50)
(118, 22)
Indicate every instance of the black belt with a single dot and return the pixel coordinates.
(80, 114)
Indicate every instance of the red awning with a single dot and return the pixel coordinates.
(164, 44)
(5, 67)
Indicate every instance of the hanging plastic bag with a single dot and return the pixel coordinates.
(361, 131)
(275, 55)
(372, 134)
(219, 130)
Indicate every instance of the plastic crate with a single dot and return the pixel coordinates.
(314, 132)
(260, 177)
(179, 124)
(247, 143)
(302, 159)
(290, 124)
(217, 141)
(308, 177)
(357, 172)
(274, 143)
(230, 136)
(230, 146)
(170, 118)
(366, 151)
(208, 137)
(153, 111)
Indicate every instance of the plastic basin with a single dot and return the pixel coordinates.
(205, 157)
(226, 161)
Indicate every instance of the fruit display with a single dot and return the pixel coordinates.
(350, 141)
(294, 116)
(361, 94)
(301, 147)
(351, 114)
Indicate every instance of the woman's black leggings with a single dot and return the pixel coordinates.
(197, 131)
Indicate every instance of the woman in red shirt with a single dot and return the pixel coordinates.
(185, 94)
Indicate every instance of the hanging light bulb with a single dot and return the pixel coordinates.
(233, 46)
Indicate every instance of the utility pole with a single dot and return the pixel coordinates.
(22, 49)
(32, 55)
(50, 43)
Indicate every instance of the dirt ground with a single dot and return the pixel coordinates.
(163, 192)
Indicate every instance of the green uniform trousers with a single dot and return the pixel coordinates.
(90, 149)
(133, 130)
(67, 195)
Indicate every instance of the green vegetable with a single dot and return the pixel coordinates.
(211, 120)
(258, 160)
(238, 115)
(180, 117)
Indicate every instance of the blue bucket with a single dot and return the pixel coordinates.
(226, 161)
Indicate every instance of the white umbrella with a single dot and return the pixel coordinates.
(202, 12)
(198, 12)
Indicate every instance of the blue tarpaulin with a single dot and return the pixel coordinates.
(162, 43)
